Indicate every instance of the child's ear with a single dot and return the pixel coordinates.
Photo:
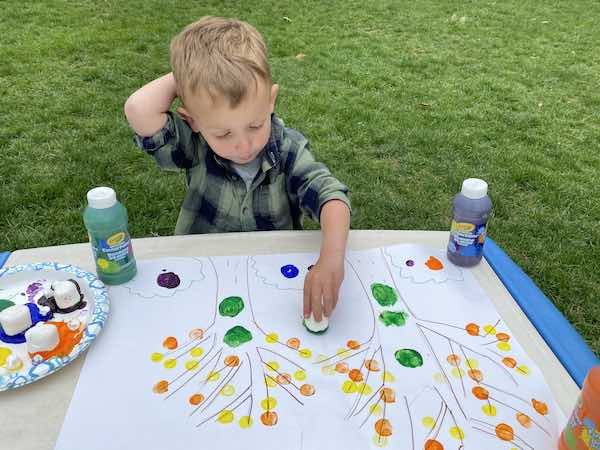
(185, 115)
(274, 92)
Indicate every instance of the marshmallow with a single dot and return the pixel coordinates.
(42, 338)
(316, 327)
(66, 294)
(15, 319)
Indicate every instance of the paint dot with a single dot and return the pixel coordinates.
(504, 346)
(305, 353)
(237, 336)
(196, 333)
(453, 360)
(328, 370)
(169, 280)
(387, 395)
(271, 382)
(509, 362)
(489, 329)
(540, 407)
(155, 357)
(380, 441)
(307, 390)
(293, 343)
(272, 366)
(458, 372)
(268, 403)
(475, 375)
(523, 370)
(503, 337)
(489, 410)
(225, 417)
(342, 351)
(321, 358)
(269, 418)
(428, 422)
(439, 378)
(472, 329)
(197, 352)
(161, 387)
(352, 344)
(355, 375)
(232, 361)
(310, 267)
(388, 377)
(434, 264)
(300, 375)
(170, 363)
(272, 338)
(364, 389)
(432, 444)
(372, 365)
(472, 363)
(196, 399)
(349, 387)
(384, 294)
(231, 306)
(245, 422)
(192, 364)
(524, 420)
(213, 376)
(170, 343)
(376, 410)
(409, 358)
(383, 427)
(410, 262)
(505, 432)
(393, 318)
(342, 367)
(284, 378)
(228, 390)
(289, 271)
(480, 393)
(457, 433)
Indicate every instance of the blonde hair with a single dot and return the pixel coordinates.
(223, 56)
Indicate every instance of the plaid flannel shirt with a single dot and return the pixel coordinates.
(289, 183)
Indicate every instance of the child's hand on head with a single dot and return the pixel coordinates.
(322, 285)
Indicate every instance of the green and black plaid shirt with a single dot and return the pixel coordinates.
(289, 183)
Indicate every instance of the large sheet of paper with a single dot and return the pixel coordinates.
(212, 353)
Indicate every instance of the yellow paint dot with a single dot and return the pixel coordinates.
(472, 363)
(155, 357)
(523, 370)
(225, 416)
(489, 329)
(365, 389)
(428, 422)
(380, 441)
(328, 370)
(268, 403)
(213, 376)
(457, 433)
(170, 363)
(504, 346)
(271, 382)
(376, 409)
(458, 372)
(388, 377)
(245, 422)
(342, 351)
(228, 390)
(4, 353)
(305, 353)
(272, 338)
(18, 367)
(197, 352)
(192, 364)
(439, 377)
(349, 387)
(489, 410)
(272, 366)
(300, 375)
(321, 357)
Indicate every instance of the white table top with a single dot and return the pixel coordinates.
(32, 415)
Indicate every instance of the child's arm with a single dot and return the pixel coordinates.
(146, 108)
(322, 284)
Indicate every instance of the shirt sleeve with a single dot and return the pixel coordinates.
(313, 183)
(174, 146)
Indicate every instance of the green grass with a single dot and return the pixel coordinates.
(401, 99)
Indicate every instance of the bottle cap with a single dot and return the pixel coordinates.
(101, 197)
(474, 188)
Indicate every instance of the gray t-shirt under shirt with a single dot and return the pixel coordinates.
(247, 171)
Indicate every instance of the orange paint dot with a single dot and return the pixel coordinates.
(269, 418)
(383, 427)
(472, 329)
(232, 361)
(352, 344)
(453, 360)
(355, 375)
(476, 375)
(480, 393)
(284, 378)
(293, 343)
(509, 362)
(342, 367)
(372, 365)
(505, 432)
(434, 264)
(196, 399)
(387, 395)
(503, 337)
(161, 387)
(196, 333)
(540, 407)
(170, 343)
(432, 444)
(307, 390)
(524, 420)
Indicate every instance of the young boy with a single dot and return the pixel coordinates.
(244, 170)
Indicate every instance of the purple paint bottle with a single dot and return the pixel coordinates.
(470, 212)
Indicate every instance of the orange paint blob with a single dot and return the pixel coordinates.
(524, 420)
(383, 427)
(196, 333)
(355, 375)
(540, 407)
(372, 365)
(342, 367)
(434, 264)
(509, 362)
(432, 444)
(293, 343)
(161, 387)
(502, 337)
(453, 360)
(387, 395)
(505, 432)
(284, 378)
(475, 375)
(196, 399)
(232, 361)
(472, 329)
(269, 418)
(67, 340)
(170, 343)
(307, 390)
(480, 393)
(352, 344)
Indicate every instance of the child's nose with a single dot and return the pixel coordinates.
(244, 145)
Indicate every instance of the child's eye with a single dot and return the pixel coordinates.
(223, 135)
(256, 127)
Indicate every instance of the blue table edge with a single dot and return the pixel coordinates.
(562, 338)
(3, 258)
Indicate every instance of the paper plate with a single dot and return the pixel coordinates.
(17, 286)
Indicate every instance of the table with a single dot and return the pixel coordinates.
(32, 416)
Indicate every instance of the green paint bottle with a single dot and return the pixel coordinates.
(106, 221)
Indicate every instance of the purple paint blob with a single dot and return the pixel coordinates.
(169, 280)
(410, 263)
(33, 289)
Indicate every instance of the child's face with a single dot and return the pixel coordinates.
(238, 134)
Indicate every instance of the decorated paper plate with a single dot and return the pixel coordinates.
(49, 314)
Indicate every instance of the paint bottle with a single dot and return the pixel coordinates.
(583, 428)
(470, 212)
(106, 221)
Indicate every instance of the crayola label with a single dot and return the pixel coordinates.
(467, 239)
(112, 254)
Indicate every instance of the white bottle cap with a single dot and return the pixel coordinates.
(474, 188)
(101, 197)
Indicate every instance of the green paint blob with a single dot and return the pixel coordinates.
(397, 318)
(5, 304)
(384, 294)
(409, 358)
(237, 336)
(311, 331)
(231, 306)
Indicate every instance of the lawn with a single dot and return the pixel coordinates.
(401, 99)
